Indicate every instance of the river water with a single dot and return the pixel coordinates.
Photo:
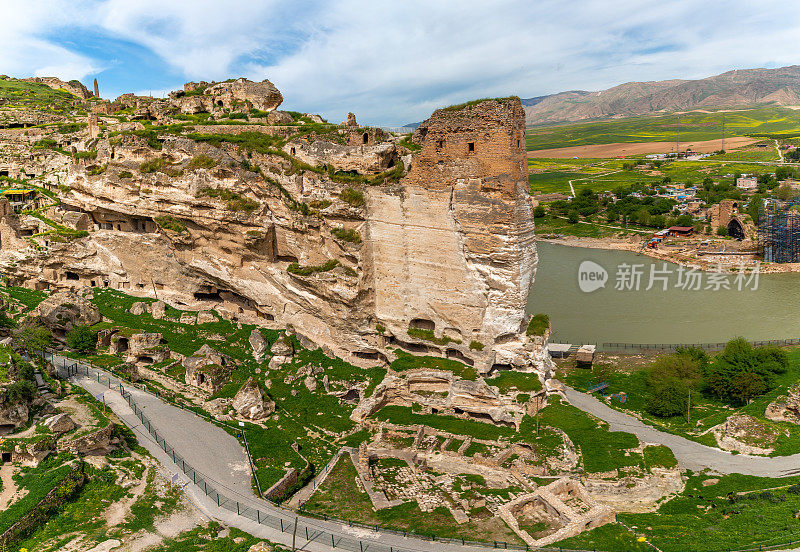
(618, 312)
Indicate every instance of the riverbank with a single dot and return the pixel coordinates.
(688, 253)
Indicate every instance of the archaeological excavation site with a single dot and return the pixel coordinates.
(230, 326)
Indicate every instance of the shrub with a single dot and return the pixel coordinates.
(573, 217)
(351, 236)
(203, 162)
(539, 212)
(295, 268)
(94, 171)
(47, 143)
(476, 345)
(34, 338)
(352, 197)
(742, 372)
(152, 165)
(170, 223)
(20, 391)
(722, 231)
(538, 324)
(125, 174)
(235, 201)
(81, 339)
(91, 154)
(428, 335)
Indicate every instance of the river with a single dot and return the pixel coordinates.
(619, 313)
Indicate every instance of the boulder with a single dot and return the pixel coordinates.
(146, 348)
(260, 547)
(158, 309)
(218, 408)
(310, 383)
(190, 319)
(138, 308)
(60, 423)
(251, 403)
(14, 414)
(64, 310)
(279, 118)
(259, 344)
(96, 442)
(277, 361)
(205, 316)
(282, 347)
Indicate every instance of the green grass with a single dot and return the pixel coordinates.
(538, 324)
(706, 412)
(602, 450)
(609, 538)
(407, 361)
(659, 456)
(339, 497)
(713, 518)
(403, 415)
(37, 482)
(509, 379)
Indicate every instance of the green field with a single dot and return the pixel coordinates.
(662, 128)
(554, 175)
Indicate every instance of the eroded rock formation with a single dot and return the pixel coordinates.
(268, 224)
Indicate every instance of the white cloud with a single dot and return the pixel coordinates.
(394, 62)
(24, 53)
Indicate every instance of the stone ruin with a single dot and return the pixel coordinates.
(564, 506)
(207, 369)
(441, 391)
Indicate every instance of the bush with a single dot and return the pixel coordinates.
(722, 231)
(742, 372)
(81, 339)
(351, 236)
(33, 338)
(125, 174)
(476, 345)
(94, 171)
(20, 391)
(202, 162)
(670, 378)
(352, 196)
(151, 166)
(573, 217)
(538, 324)
(295, 268)
(169, 223)
(539, 212)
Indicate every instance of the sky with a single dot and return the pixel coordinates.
(391, 62)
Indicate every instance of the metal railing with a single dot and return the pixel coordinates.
(288, 521)
(706, 346)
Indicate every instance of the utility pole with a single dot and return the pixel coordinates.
(689, 407)
(294, 534)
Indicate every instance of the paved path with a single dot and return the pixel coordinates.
(219, 456)
(689, 454)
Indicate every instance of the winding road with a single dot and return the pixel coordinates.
(223, 461)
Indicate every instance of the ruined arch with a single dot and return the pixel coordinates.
(736, 229)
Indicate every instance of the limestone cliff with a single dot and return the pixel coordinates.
(341, 233)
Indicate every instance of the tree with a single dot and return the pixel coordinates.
(81, 339)
(32, 338)
(722, 230)
(573, 216)
(539, 211)
(742, 371)
(669, 381)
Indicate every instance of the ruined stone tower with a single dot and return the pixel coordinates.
(453, 249)
(96, 89)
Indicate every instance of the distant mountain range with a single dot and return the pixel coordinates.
(738, 88)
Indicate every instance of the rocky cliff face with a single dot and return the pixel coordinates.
(339, 233)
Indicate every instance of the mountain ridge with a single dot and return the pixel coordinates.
(735, 88)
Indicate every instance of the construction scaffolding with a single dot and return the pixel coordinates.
(779, 231)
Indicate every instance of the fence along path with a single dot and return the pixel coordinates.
(324, 534)
(311, 530)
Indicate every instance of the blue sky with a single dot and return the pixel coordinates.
(391, 62)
